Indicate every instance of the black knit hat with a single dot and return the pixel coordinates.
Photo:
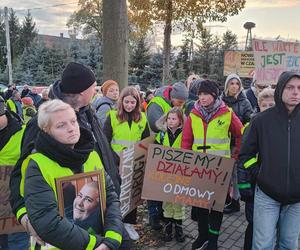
(209, 87)
(76, 78)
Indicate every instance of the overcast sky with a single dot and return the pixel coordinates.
(272, 17)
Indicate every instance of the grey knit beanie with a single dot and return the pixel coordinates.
(179, 91)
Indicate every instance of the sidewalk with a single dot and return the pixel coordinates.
(232, 232)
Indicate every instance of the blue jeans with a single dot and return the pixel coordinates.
(18, 241)
(267, 213)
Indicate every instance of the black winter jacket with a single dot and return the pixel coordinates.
(240, 105)
(41, 204)
(86, 119)
(274, 136)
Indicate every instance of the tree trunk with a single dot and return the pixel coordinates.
(167, 45)
(115, 41)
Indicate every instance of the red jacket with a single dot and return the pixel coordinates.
(235, 129)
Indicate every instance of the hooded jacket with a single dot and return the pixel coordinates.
(45, 218)
(87, 119)
(240, 104)
(102, 106)
(273, 137)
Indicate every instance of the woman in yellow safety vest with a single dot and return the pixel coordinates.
(208, 129)
(63, 149)
(123, 128)
(170, 135)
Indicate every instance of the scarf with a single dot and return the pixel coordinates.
(208, 112)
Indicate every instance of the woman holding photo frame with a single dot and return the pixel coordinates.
(63, 149)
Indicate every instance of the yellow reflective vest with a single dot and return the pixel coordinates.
(165, 139)
(124, 136)
(215, 138)
(10, 153)
(160, 102)
(51, 170)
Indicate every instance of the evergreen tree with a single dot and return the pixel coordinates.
(77, 53)
(229, 41)
(94, 58)
(2, 43)
(181, 65)
(140, 59)
(203, 57)
(28, 31)
(14, 32)
(155, 70)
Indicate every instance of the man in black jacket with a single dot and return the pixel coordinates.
(273, 144)
(76, 87)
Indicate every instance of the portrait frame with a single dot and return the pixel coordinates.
(69, 187)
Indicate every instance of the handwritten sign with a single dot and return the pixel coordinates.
(274, 57)
(132, 170)
(8, 222)
(239, 62)
(186, 177)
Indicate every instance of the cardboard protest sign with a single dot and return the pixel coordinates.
(239, 62)
(274, 57)
(132, 169)
(187, 177)
(8, 222)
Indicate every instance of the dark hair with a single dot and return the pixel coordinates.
(122, 115)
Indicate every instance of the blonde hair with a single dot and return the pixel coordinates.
(264, 94)
(48, 108)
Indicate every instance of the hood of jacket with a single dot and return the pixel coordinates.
(229, 78)
(103, 99)
(64, 155)
(232, 100)
(282, 81)
(164, 92)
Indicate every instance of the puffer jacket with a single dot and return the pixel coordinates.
(273, 139)
(240, 105)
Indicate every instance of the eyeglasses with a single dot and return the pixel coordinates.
(272, 86)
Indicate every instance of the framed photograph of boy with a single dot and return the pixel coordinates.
(81, 199)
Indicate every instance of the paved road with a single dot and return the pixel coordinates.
(232, 234)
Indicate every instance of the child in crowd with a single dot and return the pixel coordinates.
(170, 135)
(265, 101)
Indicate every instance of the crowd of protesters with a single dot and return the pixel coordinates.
(70, 129)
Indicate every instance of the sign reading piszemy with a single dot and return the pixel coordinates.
(8, 222)
(132, 168)
(186, 177)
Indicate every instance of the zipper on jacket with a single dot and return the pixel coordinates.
(289, 156)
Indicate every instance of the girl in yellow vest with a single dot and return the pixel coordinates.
(170, 135)
(208, 129)
(123, 128)
(63, 149)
